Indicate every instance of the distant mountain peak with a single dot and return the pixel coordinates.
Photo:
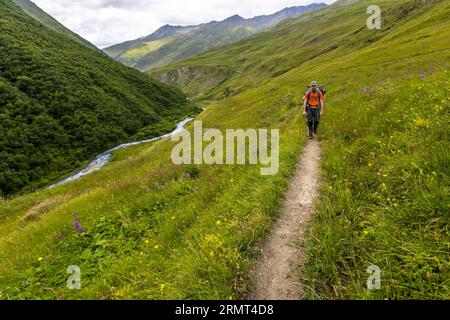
(167, 27)
(234, 18)
(174, 43)
(165, 31)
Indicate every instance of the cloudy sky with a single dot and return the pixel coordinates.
(108, 22)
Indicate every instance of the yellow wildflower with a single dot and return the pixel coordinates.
(422, 123)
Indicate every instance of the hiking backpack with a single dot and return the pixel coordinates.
(320, 92)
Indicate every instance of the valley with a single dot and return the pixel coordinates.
(62, 103)
(157, 230)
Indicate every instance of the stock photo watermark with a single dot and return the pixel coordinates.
(374, 279)
(374, 21)
(236, 144)
(74, 280)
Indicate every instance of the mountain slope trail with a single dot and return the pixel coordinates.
(276, 275)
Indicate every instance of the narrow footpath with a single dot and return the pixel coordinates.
(277, 274)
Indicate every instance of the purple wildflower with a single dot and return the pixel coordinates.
(367, 90)
(75, 215)
(78, 227)
(186, 175)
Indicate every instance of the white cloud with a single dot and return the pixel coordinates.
(107, 22)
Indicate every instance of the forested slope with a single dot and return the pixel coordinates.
(61, 103)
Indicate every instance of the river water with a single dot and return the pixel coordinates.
(103, 159)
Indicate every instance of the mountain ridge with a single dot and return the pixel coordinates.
(217, 73)
(171, 43)
(47, 20)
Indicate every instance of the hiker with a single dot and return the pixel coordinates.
(313, 108)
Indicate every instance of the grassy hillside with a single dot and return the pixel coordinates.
(37, 13)
(170, 44)
(385, 199)
(62, 103)
(253, 62)
(153, 232)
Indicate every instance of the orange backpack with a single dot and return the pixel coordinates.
(309, 96)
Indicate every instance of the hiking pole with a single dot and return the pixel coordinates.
(307, 116)
(307, 125)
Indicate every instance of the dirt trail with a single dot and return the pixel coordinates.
(277, 274)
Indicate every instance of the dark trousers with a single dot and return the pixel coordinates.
(313, 120)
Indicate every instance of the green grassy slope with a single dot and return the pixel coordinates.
(253, 62)
(37, 13)
(152, 233)
(62, 103)
(173, 43)
(385, 200)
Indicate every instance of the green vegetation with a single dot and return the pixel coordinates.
(62, 103)
(37, 13)
(174, 43)
(146, 48)
(265, 56)
(153, 232)
(385, 199)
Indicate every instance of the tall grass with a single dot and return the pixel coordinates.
(154, 233)
(385, 198)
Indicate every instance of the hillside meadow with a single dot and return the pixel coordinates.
(154, 232)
